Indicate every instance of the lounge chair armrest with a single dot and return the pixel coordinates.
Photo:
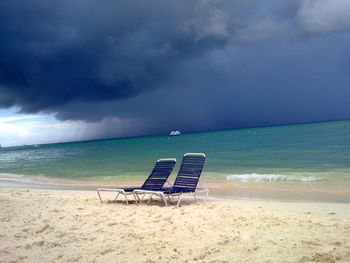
(111, 189)
(199, 190)
(147, 191)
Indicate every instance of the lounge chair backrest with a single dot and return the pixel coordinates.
(190, 171)
(159, 174)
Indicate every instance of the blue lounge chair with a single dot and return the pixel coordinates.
(155, 180)
(186, 181)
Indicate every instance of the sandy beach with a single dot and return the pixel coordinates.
(73, 226)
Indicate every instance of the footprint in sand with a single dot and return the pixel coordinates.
(5, 219)
(45, 227)
(112, 224)
(224, 241)
(106, 251)
(304, 259)
(39, 243)
(3, 251)
(338, 243)
(323, 257)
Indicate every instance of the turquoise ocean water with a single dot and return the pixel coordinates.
(305, 153)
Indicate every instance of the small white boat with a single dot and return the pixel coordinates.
(175, 133)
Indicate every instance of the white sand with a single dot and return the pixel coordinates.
(72, 226)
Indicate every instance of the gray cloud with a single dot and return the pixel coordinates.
(260, 31)
(84, 51)
(193, 64)
(324, 16)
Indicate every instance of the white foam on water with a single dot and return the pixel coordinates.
(24, 179)
(255, 177)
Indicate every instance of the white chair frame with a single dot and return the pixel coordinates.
(163, 196)
(121, 191)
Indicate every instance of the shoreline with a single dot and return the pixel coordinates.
(73, 226)
(289, 192)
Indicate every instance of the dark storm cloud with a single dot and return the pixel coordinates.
(55, 52)
(192, 64)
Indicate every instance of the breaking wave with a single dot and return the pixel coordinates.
(254, 177)
(24, 179)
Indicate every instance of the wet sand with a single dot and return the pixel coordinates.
(73, 226)
(333, 192)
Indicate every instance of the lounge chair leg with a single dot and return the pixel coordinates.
(126, 199)
(164, 199)
(115, 199)
(149, 199)
(136, 197)
(206, 197)
(195, 198)
(178, 202)
(98, 192)
(169, 199)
